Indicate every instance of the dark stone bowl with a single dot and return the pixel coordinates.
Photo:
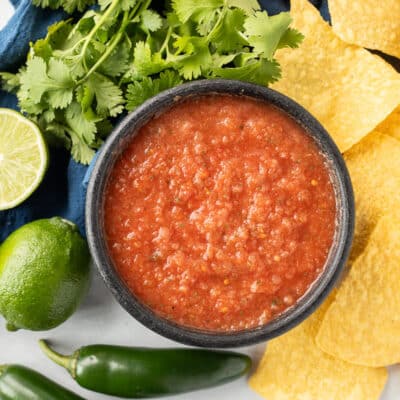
(123, 134)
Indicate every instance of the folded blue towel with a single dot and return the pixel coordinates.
(63, 189)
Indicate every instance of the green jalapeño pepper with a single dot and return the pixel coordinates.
(143, 372)
(21, 383)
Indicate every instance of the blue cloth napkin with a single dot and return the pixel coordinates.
(63, 190)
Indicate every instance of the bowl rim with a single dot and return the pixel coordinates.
(113, 147)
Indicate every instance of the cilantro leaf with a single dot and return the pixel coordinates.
(191, 67)
(117, 62)
(206, 23)
(49, 115)
(123, 5)
(71, 6)
(198, 58)
(61, 95)
(79, 124)
(108, 96)
(58, 33)
(151, 21)
(63, 36)
(47, 3)
(139, 92)
(291, 38)
(42, 49)
(56, 83)
(68, 5)
(262, 72)
(168, 79)
(81, 132)
(104, 4)
(80, 151)
(200, 10)
(260, 26)
(34, 80)
(99, 98)
(27, 104)
(9, 82)
(219, 60)
(228, 36)
(128, 4)
(85, 97)
(173, 20)
(144, 62)
(249, 6)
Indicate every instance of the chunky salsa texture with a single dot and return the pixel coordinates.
(220, 213)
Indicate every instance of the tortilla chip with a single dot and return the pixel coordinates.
(374, 24)
(374, 167)
(348, 89)
(294, 368)
(362, 325)
(391, 125)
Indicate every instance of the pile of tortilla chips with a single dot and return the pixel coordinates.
(368, 23)
(341, 351)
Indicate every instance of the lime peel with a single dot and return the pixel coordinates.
(44, 274)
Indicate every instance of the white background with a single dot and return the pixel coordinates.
(100, 319)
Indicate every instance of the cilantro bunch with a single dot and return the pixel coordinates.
(86, 72)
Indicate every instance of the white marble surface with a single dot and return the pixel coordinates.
(101, 320)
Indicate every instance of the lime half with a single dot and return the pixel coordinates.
(23, 158)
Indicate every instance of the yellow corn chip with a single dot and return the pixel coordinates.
(362, 325)
(391, 125)
(374, 24)
(374, 166)
(348, 89)
(294, 368)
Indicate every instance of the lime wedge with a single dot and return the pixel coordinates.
(23, 158)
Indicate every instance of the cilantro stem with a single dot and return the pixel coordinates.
(133, 12)
(136, 11)
(60, 53)
(145, 6)
(243, 36)
(166, 41)
(98, 25)
(110, 47)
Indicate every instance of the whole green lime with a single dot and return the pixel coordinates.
(44, 274)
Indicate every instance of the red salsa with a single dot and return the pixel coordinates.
(220, 213)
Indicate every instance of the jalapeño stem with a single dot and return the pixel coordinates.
(68, 362)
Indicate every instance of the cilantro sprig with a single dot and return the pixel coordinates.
(68, 5)
(86, 72)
